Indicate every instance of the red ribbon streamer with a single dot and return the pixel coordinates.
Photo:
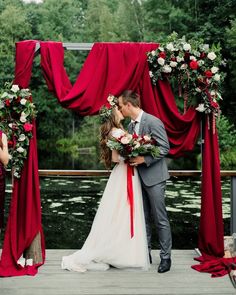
(130, 195)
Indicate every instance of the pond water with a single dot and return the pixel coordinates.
(69, 206)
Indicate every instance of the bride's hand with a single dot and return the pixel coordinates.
(136, 161)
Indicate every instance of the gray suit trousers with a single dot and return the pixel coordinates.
(154, 205)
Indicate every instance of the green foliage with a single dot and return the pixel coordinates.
(227, 143)
(11, 31)
(112, 21)
(87, 137)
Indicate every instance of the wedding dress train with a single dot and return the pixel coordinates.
(109, 242)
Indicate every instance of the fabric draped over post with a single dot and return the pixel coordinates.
(111, 68)
(24, 227)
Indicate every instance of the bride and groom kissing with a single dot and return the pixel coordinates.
(109, 242)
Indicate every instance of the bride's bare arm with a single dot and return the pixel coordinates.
(115, 157)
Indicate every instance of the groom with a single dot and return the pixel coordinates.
(153, 173)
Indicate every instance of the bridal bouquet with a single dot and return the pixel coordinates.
(130, 146)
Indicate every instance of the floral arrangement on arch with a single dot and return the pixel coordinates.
(196, 69)
(16, 115)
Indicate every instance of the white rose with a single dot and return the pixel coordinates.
(161, 61)
(110, 98)
(20, 149)
(137, 145)
(124, 140)
(184, 67)
(216, 77)
(214, 70)
(15, 88)
(150, 74)
(179, 59)
(187, 46)
(213, 93)
(23, 114)
(129, 136)
(211, 55)
(153, 52)
(201, 108)
(22, 137)
(23, 101)
(147, 137)
(166, 69)
(2, 105)
(192, 57)
(173, 64)
(170, 46)
(10, 125)
(23, 119)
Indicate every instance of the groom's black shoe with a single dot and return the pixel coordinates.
(164, 265)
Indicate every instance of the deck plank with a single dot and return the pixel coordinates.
(181, 280)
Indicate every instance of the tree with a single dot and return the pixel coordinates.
(15, 30)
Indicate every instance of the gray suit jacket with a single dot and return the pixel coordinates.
(154, 171)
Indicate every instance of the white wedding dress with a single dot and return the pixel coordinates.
(109, 242)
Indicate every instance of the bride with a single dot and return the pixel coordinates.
(109, 242)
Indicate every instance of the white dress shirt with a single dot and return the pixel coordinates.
(137, 120)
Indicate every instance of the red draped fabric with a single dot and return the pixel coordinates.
(111, 68)
(24, 221)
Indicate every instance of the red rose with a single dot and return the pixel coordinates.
(7, 102)
(193, 64)
(135, 135)
(10, 143)
(173, 58)
(28, 127)
(214, 104)
(208, 74)
(162, 54)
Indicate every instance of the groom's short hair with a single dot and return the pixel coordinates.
(132, 97)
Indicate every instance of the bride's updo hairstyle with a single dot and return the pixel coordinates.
(110, 120)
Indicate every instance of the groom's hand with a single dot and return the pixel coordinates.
(136, 161)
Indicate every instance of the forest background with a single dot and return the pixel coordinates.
(68, 141)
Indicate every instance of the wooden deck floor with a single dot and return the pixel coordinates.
(179, 281)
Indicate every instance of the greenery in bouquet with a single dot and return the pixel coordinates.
(16, 115)
(130, 146)
(192, 65)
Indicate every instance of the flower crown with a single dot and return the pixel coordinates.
(106, 110)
